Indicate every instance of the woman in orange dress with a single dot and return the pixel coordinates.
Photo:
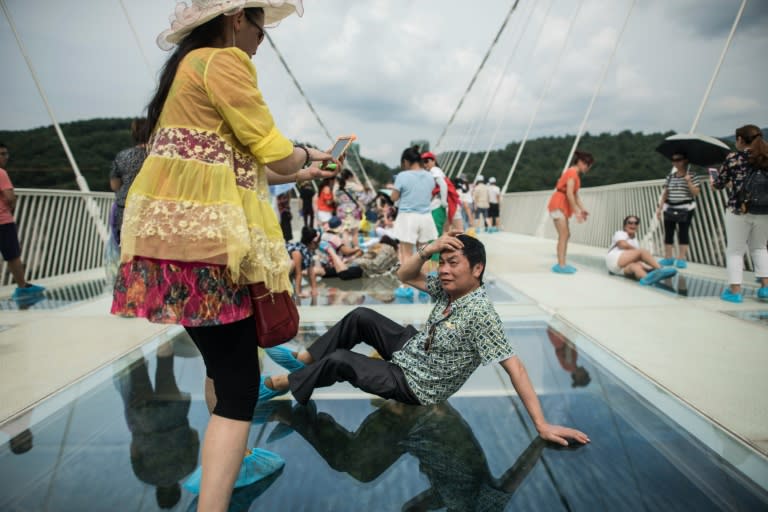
(565, 202)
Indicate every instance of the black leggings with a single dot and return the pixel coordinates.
(231, 358)
(682, 231)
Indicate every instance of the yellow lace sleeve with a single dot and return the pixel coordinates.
(231, 84)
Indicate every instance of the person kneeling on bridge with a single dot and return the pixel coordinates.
(419, 367)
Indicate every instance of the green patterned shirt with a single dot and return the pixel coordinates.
(472, 334)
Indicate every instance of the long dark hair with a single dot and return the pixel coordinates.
(201, 37)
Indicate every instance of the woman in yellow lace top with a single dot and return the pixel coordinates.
(198, 223)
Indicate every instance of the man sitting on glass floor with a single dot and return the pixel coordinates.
(418, 367)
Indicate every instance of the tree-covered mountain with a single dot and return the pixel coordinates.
(38, 159)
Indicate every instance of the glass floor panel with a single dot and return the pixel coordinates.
(128, 442)
(758, 316)
(61, 296)
(681, 284)
(381, 290)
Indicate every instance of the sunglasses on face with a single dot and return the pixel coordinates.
(255, 24)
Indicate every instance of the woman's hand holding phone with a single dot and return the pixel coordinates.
(320, 171)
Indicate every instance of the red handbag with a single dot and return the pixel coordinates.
(277, 319)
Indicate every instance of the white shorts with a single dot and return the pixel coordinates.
(323, 216)
(612, 262)
(415, 228)
(557, 214)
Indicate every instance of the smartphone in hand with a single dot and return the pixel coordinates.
(712, 174)
(339, 148)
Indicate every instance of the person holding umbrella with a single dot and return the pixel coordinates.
(744, 229)
(677, 206)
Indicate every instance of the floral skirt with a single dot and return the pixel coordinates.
(172, 292)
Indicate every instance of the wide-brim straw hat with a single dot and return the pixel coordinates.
(186, 18)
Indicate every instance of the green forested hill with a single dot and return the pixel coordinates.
(39, 161)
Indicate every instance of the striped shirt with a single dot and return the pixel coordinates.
(677, 189)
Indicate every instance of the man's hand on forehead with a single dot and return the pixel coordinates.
(448, 242)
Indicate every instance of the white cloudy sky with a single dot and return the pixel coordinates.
(392, 71)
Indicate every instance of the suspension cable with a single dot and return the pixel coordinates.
(492, 141)
(542, 95)
(312, 108)
(479, 68)
(492, 99)
(655, 224)
(138, 42)
(79, 178)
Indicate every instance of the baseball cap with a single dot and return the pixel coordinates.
(428, 154)
(491, 180)
(334, 222)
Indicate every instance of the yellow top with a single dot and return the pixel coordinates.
(201, 195)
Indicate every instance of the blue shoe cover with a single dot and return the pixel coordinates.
(266, 393)
(654, 276)
(567, 269)
(667, 262)
(729, 296)
(256, 466)
(681, 264)
(284, 357)
(762, 293)
(404, 292)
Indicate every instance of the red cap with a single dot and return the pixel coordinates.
(428, 154)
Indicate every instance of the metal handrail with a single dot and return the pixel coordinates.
(608, 205)
(59, 232)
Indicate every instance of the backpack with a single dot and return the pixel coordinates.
(753, 194)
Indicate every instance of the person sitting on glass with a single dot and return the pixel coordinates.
(626, 258)
(420, 367)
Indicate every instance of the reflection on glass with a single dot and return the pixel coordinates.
(21, 439)
(449, 454)
(567, 355)
(164, 447)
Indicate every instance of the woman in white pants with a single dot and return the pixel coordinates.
(744, 230)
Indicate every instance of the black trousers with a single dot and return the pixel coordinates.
(335, 362)
(231, 357)
(682, 231)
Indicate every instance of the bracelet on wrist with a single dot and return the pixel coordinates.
(421, 254)
(308, 160)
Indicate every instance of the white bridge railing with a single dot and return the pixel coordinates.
(60, 231)
(525, 212)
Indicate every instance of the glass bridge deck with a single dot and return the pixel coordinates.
(134, 436)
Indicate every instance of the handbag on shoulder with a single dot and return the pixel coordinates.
(276, 316)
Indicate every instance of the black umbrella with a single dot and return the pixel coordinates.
(700, 149)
